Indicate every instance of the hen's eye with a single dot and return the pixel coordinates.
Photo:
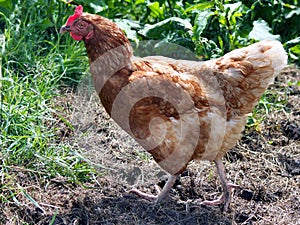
(80, 25)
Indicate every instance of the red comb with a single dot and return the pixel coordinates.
(77, 13)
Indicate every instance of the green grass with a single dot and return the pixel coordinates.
(35, 61)
(271, 101)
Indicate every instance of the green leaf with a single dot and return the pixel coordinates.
(232, 7)
(201, 22)
(261, 31)
(233, 12)
(127, 26)
(295, 52)
(293, 41)
(293, 47)
(163, 28)
(156, 10)
(97, 8)
(200, 6)
(292, 13)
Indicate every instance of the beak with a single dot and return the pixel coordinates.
(64, 29)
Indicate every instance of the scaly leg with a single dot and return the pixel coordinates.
(162, 194)
(227, 188)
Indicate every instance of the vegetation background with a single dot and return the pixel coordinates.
(37, 63)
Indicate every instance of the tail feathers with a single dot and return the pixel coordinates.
(246, 73)
(268, 51)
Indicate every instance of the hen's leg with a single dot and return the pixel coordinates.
(227, 188)
(162, 194)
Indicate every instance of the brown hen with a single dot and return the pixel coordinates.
(177, 110)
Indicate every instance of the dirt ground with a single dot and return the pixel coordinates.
(265, 163)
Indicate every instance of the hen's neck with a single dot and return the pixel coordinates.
(110, 54)
(108, 41)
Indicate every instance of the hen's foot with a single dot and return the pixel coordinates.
(227, 188)
(149, 197)
(224, 198)
(162, 194)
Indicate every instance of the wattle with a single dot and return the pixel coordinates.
(76, 37)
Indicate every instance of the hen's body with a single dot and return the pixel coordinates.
(179, 110)
(214, 96)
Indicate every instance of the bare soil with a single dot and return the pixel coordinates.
(265, 163)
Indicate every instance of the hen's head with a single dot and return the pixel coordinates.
(99, 34)
(79, 26)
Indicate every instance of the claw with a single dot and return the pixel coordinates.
(161, 194)
(227, 188)
(149, 197)
(224, 198)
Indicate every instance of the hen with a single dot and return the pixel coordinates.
(177, 110)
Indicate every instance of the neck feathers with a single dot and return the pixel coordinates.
(108, 41)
